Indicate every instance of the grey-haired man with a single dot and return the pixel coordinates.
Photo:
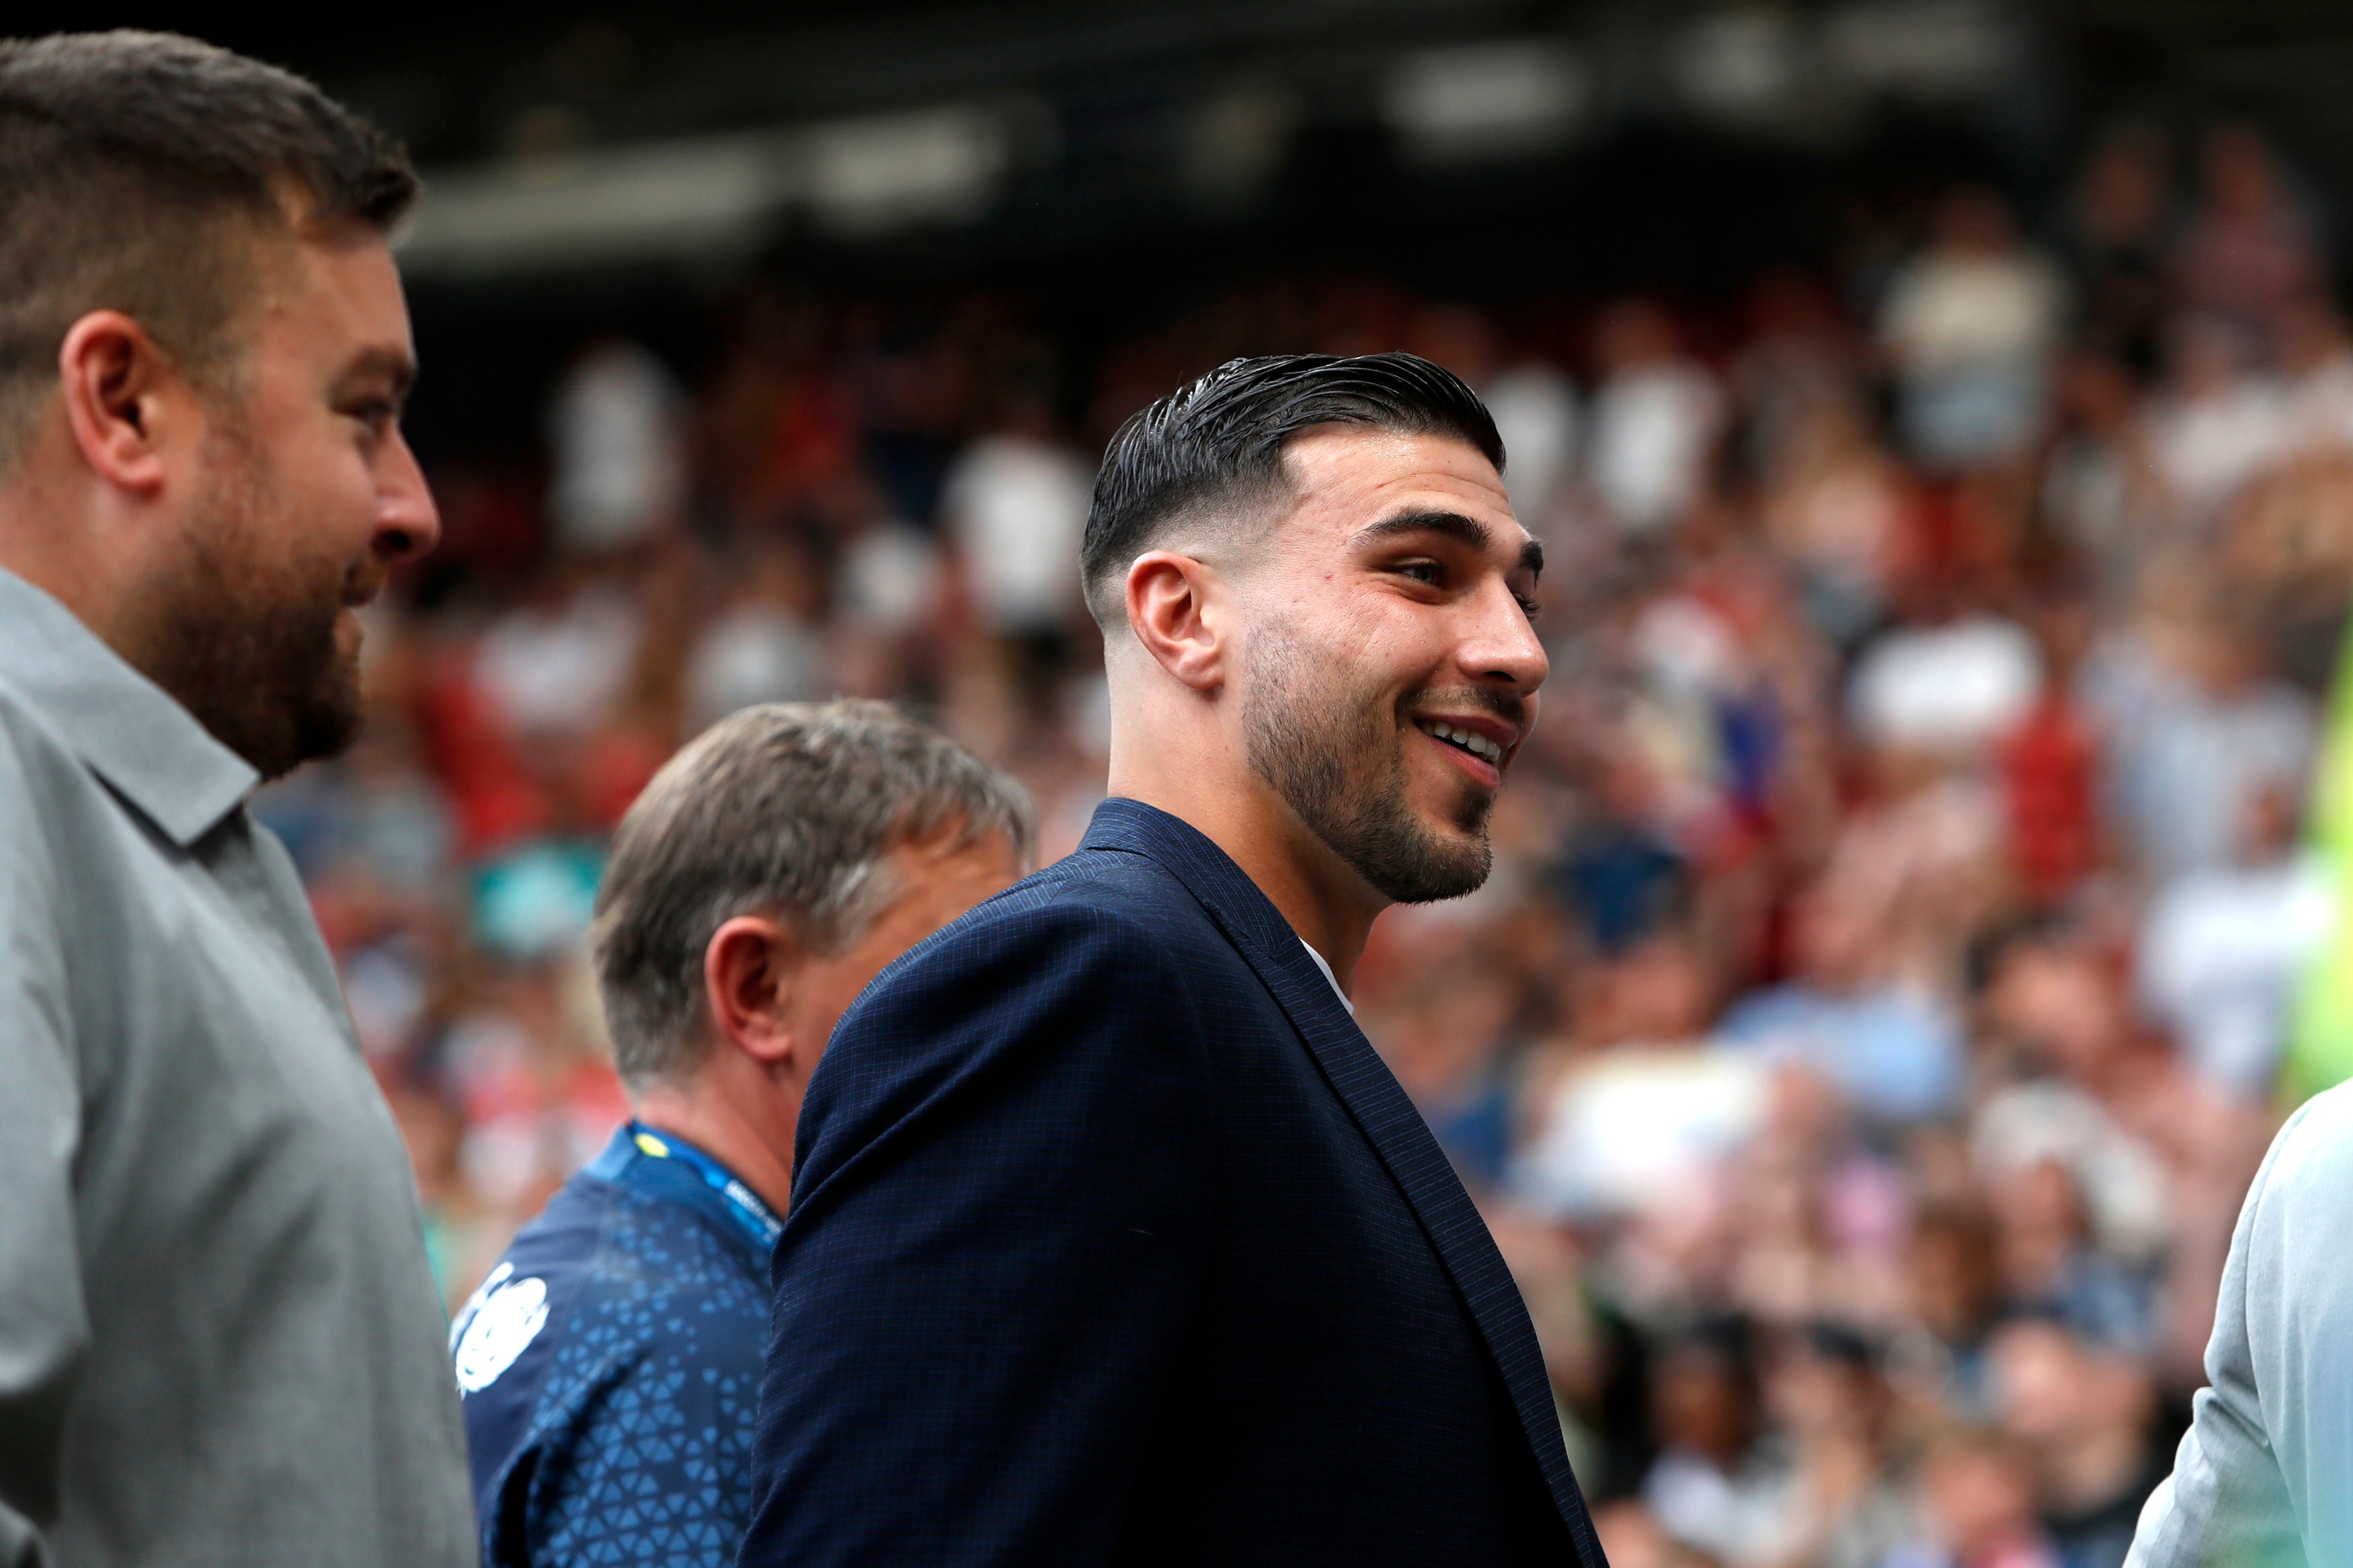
(611, 1362)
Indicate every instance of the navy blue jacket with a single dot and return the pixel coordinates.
(1113, 1242)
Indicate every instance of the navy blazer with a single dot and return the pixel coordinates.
(1111, 1241)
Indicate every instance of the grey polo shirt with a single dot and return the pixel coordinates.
(219, 1343)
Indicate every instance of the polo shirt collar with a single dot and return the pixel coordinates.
(130, 730)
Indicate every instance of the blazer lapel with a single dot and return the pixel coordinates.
(1378, 1105)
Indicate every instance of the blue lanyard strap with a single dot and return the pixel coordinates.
(755, 1219)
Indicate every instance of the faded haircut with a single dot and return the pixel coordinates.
(1213, 449)
(790, 810)
(138, 172)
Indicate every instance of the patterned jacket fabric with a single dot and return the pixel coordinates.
(1113, 1242)
(609, 1365)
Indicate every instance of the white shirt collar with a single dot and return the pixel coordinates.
(1335, 979)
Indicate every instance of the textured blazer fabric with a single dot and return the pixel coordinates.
(1113, 1242)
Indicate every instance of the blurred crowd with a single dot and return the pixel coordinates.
(1882, 1000)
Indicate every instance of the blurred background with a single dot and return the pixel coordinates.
(1920, 900)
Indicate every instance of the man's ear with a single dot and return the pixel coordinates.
(747, 986)
(1173, 606)
(116, 382)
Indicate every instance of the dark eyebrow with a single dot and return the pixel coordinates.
(391, 364)
(1468, 530)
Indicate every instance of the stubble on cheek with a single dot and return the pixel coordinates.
(1330, 742)
(251, 639)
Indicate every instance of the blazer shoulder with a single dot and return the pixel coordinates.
(1114, 886)
(1060, 991)
(1094, 909)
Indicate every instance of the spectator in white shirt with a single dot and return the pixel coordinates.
(1970, 325)
(1015, 504)
(1655, 422)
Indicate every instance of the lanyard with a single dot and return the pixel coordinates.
(754, 1218)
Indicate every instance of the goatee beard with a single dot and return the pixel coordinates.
(1335, 757)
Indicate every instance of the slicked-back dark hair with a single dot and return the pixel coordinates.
(1215, 446)
(132, 166)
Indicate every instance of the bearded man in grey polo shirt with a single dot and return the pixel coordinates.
(218, 1340)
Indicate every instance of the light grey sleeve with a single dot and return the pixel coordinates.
(43, 1327)
(2227, 1504)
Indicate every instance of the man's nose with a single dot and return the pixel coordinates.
(1502, 645)
(408, 523)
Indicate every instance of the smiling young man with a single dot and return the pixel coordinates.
(219, 1340)
(1113, 1241)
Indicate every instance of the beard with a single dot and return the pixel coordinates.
(1333, 749)
(246, 636)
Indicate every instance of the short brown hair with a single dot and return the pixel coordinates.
(130, 166)
(788, 809)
